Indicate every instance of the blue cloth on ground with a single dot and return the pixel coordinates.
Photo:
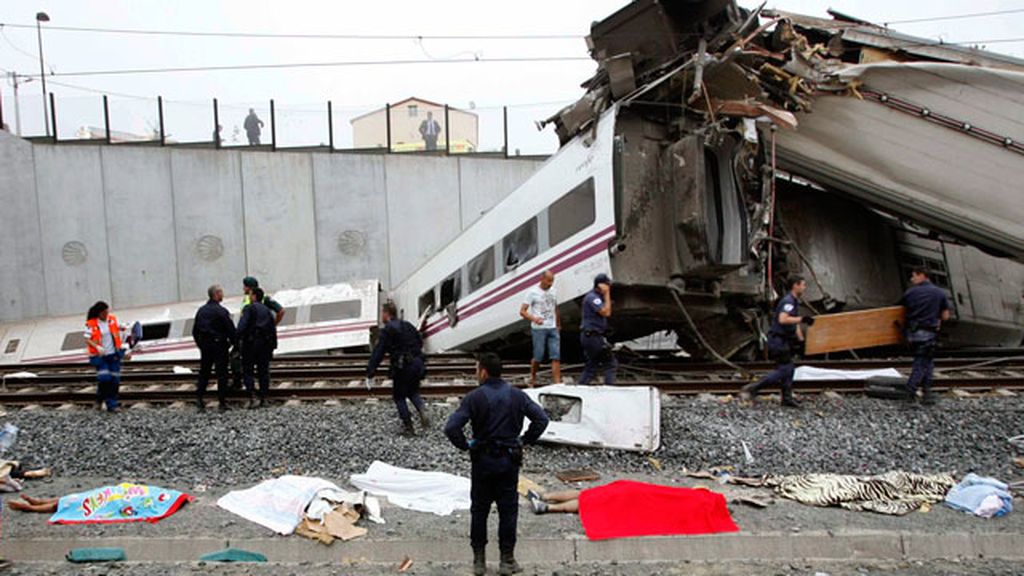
(970, 495)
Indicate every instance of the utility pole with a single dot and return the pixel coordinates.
(40, 18)
(15, 81)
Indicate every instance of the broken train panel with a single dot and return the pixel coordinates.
(704, 99)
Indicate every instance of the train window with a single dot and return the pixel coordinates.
(481, 270)
(345, 310)
(450, 289)
(290, 315)
(73, 341)
(12, 346)
(571, 213)
(427, 302)
(187, 332)
(520, 245)
(158, 331)
(561, 408)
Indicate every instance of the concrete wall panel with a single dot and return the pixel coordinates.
(351, 218)
(140, 225)
(73, 228)
(22, 285)
(209, 228)
(486, 181)
(280, 231)
(423, 210)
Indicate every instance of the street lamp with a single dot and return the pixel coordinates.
(40, 18)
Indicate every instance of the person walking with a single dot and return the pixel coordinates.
(103, 343)
(257, 334)
(784, 336)
(495, 410)
(926, 309)
(402, 343)
(597, 309)
(253, 126)
(214, 335)
(540, 309)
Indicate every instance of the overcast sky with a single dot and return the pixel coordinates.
(534, 90)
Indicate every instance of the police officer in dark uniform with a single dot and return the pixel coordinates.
(597, 308)
(257, 333)
(926, 309)
(249, 284)
(403, 344)
(214, 334)
(496, 411)
(784, 337)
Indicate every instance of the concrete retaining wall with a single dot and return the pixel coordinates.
(139, 225)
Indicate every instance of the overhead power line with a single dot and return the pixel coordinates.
(314, 36)
(304, 36)
(536, 59)
(955, 17)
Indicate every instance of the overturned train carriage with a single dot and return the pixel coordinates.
(729, 149)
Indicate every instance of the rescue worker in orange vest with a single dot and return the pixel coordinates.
(103, 342)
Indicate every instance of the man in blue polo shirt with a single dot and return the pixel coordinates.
(597, 309)
(926, 309)
(784, 336)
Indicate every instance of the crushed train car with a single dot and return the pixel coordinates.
(716, 150)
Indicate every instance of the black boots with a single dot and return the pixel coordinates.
(200, 405)
(479, 562)
(424, 419)
(508, 565)
(407, 428)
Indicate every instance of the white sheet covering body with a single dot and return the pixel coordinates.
(277, 504)
(621, 417)
(810, 374)
(435, 492)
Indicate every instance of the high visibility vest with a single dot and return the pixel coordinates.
(95, 334)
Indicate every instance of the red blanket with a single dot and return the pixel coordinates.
(625, 508)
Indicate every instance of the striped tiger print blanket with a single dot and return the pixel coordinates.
(894, 493)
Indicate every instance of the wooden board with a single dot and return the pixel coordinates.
(854, 330)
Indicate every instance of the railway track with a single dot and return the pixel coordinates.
(314, 378)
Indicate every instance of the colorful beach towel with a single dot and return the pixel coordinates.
(625, 509)
(121, 503)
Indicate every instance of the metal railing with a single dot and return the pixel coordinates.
(409, 126)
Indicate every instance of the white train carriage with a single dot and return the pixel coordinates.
(561, 219)
(335, 316)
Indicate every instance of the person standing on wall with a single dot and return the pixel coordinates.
(784, 336)
(926, 309)
(597, 309)
(540, 309)
(253, 126)
(103, 342)
(495, 410)
(430, 129)
(214, 334)
(257, 333)
(402, 343)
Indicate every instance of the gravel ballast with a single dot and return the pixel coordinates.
(853, 435)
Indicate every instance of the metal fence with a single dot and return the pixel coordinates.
(408, 126)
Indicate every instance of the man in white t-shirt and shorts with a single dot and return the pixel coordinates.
(540, 309)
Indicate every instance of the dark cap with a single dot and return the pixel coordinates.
(602, 278)
(250, 282)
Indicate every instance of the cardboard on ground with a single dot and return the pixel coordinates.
(855, 330)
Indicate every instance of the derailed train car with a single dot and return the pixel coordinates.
(716, 151)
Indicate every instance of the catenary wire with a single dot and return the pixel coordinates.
(955, 17)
